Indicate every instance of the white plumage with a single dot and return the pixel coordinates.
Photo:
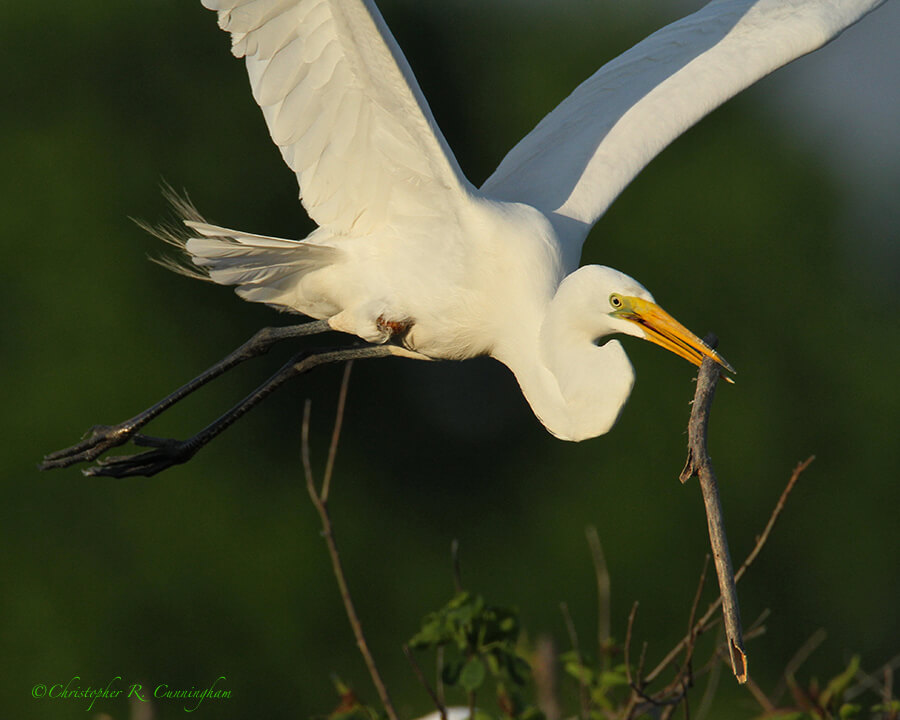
(407, 250)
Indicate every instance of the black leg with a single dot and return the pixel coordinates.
(106, 437)
(169, 452)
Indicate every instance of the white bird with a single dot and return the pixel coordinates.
(409, 254)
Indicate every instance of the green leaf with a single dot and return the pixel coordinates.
(472, 675)
(892, 707)
(849, 711)
(428, 636)
(581, 673)
(610, 678)
(838, 684)
(450, 673)
(518, 669)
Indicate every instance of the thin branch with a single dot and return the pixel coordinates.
(712, 684)
(757, 628)
(869, 682)
(779, 506)
(635, 685)
(545, 678)
(601, 573)
(336, 431)
(704, 622)
(699, 463)
(797, 660)
(641, 658)
(439, 674)
(442, 710)
(767, 705)
(887, 695)
(628, 633)
(689, 650)
(457, 572)
(321, 504)
(583, 695)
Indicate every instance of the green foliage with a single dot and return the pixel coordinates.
(815, 703)
(607, 688)
(481, 643)
(350, 707)
(482, 646)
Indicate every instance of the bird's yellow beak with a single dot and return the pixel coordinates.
(661, 328)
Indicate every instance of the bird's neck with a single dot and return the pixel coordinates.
(576, 387)
(575, 379)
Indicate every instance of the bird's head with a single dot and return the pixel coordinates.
(630, 309)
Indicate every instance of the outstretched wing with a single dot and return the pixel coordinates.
(342, 103)
(583, 154)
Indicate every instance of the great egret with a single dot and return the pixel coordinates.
(416, 261)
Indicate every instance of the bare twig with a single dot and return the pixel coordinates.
(635, 681)
(583, 693)
(442, 710)
(887, 694)
(629, 630)
(689, 650)
(336, 431)
(601, 573)
(641, 658)
(801, 656)
(712, 684)
(779, 506)
(704, 622)
(457, 571)
(767, 705)
(699, 463)
(865, 682)
(439, 674)
(545, 678)
(320, 501)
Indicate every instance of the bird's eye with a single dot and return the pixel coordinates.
(615, 301)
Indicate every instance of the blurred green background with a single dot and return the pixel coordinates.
(752, 225)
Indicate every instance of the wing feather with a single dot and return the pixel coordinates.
(583, 154)
(336, 91)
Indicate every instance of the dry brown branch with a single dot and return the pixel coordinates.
(320, 501)
(797, 659)
(336, 431)
(545, 678)
(887, 692)
(442, 710)
(705, 621)
(779, 506)
(699, 463)
(601, 574)
(866, 682)
(629, 630)
(583, 694)
(767, 705)
(689, 650)
(457, 570)
(712, 684)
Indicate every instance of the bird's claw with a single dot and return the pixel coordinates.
(100, 438)
(94, 443)
(167, 453)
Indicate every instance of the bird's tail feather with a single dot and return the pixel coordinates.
(264, 269)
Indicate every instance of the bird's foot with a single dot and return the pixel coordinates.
(167, 452)
(95, 442)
